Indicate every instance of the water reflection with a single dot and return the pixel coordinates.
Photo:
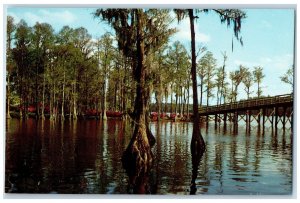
(85, 157)
(196, 158)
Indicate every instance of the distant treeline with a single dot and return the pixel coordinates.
(70, 73)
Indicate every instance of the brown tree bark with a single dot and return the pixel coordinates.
(63, 96)
(197, 143)
(8, 97)
(138, 155)
(43, 100)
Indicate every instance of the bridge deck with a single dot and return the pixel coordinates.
(251, 104)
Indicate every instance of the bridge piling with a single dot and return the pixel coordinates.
(249, 121)
(216, 118)
(273, 114)
(276, 116)
(284, 115)
(258, 117)
(264, 115)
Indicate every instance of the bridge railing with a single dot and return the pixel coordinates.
(248, 103)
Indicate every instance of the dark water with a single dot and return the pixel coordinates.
(85, 157)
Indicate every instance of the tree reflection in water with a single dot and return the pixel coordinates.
(138, 181)
(137, 169)
(138, 178)
(196, 158)
(85, 157)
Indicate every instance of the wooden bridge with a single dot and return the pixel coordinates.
(274, 109)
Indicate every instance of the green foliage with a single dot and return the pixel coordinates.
(207, 69)
(258, 76)
(124, 21)
(70, 69)
(288, 77)
(248, 82)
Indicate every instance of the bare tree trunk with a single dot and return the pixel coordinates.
(21, 105)
(176, 101)
(43, 102)
(158, 104)
(74, 104)
(166, 101)
(63, 97)
(223, 79)
(235, 93)
(171, 110)
(123, 88)
(201, 91)
(115, 98)
(232, 92)
(188, 104)
(8, 78)
(104, 101)
(36, 93)
(184, 101)
(207, 96)
(8, 97)
(70, 103)
(248, 92)
(104, 117)
(52, 100)
(258, 90)
(218, 100)
(197, 142)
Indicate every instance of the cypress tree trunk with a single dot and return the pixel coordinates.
(51, 104)
(8, 97)
(181, 102)
(115, 98)
(70, 105)
(171, 110)
(104, 100)
(8, 77)
(235, 93)
(197, 143)
(43, 102)
(63, 97)
(184, 102)
(166, 100)
(158, 104)
(218, 93)
(258, 89)
(188, 104)
(176, 101)
(21, 105)
(138, 156)
(201, 91)
(207, 95)
(36, 93)
(123, 89)
(74, 104)
(222, 84)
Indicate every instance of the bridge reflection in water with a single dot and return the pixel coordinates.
(274, 109)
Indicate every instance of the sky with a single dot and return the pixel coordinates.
(268, 36)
